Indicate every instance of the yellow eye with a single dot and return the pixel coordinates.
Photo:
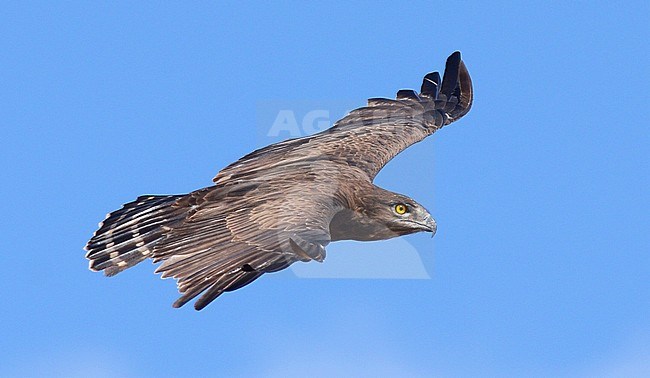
(400, 208)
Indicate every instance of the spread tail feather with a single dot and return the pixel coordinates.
(127, 236)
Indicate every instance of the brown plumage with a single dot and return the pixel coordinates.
(285, 202)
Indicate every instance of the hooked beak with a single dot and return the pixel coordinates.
(429, 225)
(432, 226)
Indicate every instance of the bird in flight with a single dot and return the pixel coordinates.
(285, 202)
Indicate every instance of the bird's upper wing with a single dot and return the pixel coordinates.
(233, 234)
(369, 137)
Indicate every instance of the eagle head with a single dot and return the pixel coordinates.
(400, 215)
(380, 215)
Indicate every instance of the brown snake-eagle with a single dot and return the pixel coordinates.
(285, 202)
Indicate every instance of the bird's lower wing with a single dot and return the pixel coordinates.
(234, 235)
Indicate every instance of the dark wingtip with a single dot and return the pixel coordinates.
(407, 94)
(453, 60)
(455, 93)
(450, 78)
(198, 306)
(430, 85)
(186, 297)
(466, 96)
(213, 293)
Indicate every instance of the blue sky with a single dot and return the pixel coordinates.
(541, 264)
